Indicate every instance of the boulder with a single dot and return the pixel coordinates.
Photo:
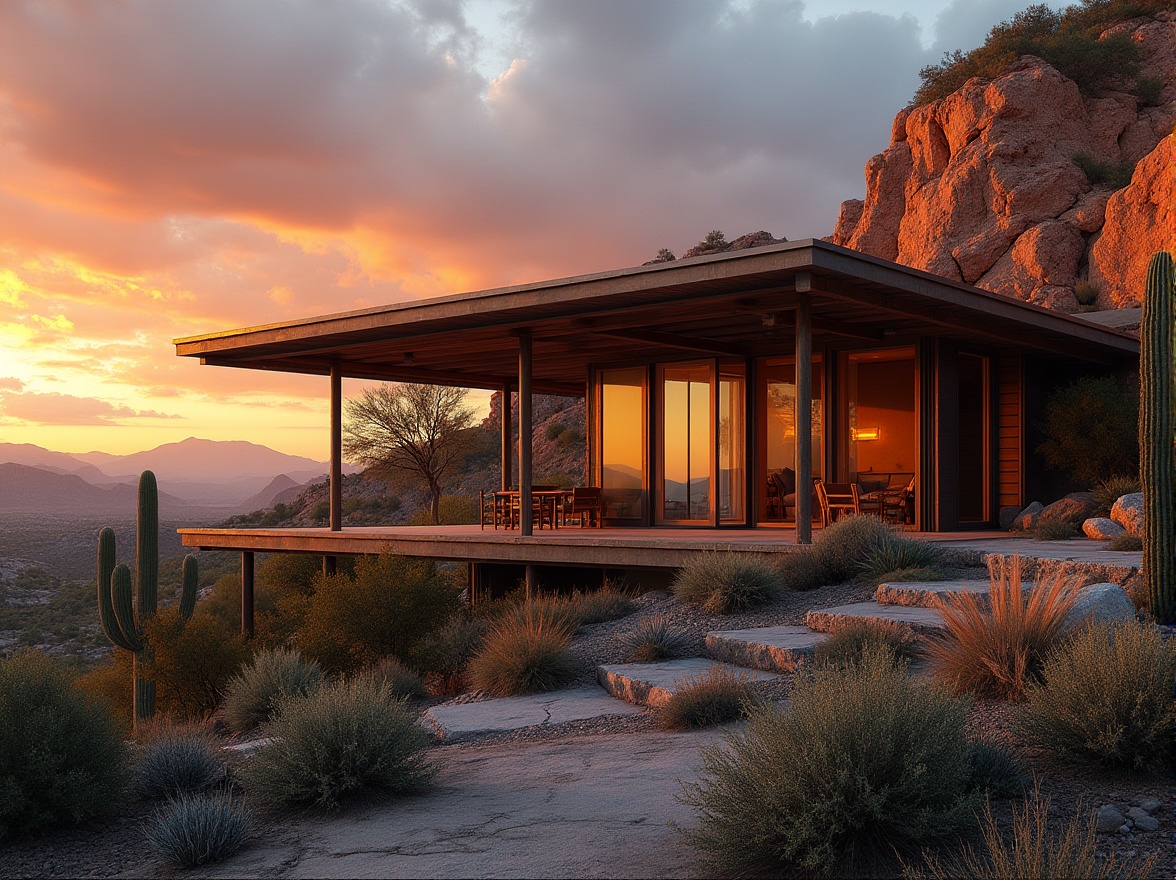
(1142, 820)
(1108, 820)
(1100, 603)
(1075, 507)
(1027, 520)
(1102, 529)
(1128, 512)
(1008, 517)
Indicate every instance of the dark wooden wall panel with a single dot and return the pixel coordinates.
(1010, 431)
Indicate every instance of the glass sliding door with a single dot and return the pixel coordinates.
(686, 450)
(732, 445)
(777, 435)
(623, 443)
(883, 430)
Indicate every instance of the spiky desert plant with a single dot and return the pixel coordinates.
(525, 653)
(654, 638)
(995, 647)
(122, 617)
(1157, 421)
(849, 643)
(195, 829)
(253, 693)
(723, 582)
(179, 759)
(713, 697)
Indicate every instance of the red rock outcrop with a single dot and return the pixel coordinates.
(984, 186)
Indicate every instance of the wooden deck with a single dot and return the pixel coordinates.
(588, 547)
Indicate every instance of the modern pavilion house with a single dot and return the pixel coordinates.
(715, 386)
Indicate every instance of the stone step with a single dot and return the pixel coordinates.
(652, 684)
(457, 721)
(770, 648)
(928, 594)
(828, 620)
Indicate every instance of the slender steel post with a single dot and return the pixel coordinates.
(336, 465)
(507, 444)
(247, 593)
(525, 514)
(804, 420)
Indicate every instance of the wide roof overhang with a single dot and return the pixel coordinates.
(732, 304)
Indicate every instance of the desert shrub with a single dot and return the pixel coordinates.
(851, 642)
(803, 569)
(1085, 292)
(1126, 542)
(1115, 175)
(863, 760)
(911, 575)
(445, 653)
(178, 759)
(713, 697)
(724, 582)
(898, 553)
(1110, 490)
(1056, 529)
(110, 682)
(1105, 696)
(845, 545)
(61, 755)
(195, 829)
(599, 606)
(995, 647)
(347, 737)
(453, 510)
(525, 652)
(1090, 429)
(389, 607)
(253, 693)
(541, 609)
(402, 681)
(1033, 850)
(994, 769)
(193, 660)
(654, 638)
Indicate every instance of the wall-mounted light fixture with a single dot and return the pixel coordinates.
(865, 433)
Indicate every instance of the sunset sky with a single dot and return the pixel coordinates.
(175, 168)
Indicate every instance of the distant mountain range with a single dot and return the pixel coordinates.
(215, 476)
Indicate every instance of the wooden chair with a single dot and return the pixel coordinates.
(585, 503)
(836, 499)
(894, 505)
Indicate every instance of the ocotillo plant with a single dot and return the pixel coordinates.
(1157, 433)
(122, 619)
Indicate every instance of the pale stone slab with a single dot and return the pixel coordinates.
(771, 648)
(929, 594)
(831, 619)
(453, 722)
(652, 684)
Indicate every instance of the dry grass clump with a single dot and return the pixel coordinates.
(1105, 696)
(196, 829)
(896, 555)
(802, 569)
(1110, 490)
(253, 693)
(403, 682)
(865, 547)
(994, 648)
(178, 759)
(446, 653)
(846, 544)
(655, 638)
(1126, 542)
(526, 652)
(713, 697)
(725, 582)
(1057, 529)
(864, 760)
(851, 642)
(599, 606)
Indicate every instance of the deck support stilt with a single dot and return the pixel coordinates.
(336, 472)
(531, 582)
(507, 439)
(804, 416)
(247, 594)
(525, 515)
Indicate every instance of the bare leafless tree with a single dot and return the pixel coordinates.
(417, 429)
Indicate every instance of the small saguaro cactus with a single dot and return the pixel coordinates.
(1157, 435)
(122, 618)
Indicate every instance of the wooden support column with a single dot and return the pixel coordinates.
(247, 594)
(804, 418)
(336, 472)
(525, 377)
(507, 439)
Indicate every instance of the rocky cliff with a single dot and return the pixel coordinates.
(1019, 184)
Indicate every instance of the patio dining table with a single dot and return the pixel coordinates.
(546, 502)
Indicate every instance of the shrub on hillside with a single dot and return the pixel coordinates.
(994, 769)
(193, 660)
(843, 548)
(196, 829)
(1110, 490)
(390, 606)
(803, 569)
(853, 641)
(863, 760)
(178, 759)
(599, 606)
(61, 755)
(444, 654)
(1126, 543)
(713, 697)
(347, 737)
(402, 681)
(654, 638)
(253, 693)
(525, 652)
(1105, 696)
(1056, 529)
(896, 553)
(1091, 429)
(724, 582)
(995, 647)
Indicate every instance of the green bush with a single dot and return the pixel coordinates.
(1115, 175)
(196, 829)
(347, 737)
(185, 759)
(1126, 542)
(864, 760)
(444, 654)
(193, 660)
(1105, 696)
(600, 606)
(402, 681)
(1056, 529)
(713, 697)
(897, 553)
(724, 582)
(1085, 292)
(853, 641)
(1110, 490)
(525, 652)
(654, 638)
(994, 769)
(61, 756)
(1091, 429)
(253, 693)
(803, 569)
(390, 606)
(843, 548)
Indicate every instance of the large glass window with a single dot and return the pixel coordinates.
(622, 442)
(685, 442)
(732, 469)
(883, 432)
(777, 396)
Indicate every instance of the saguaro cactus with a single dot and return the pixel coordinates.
(122, 618)
(1157, 436)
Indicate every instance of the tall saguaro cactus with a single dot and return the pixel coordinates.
(1157, 436)
(123, 618)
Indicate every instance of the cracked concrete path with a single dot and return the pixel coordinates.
(588, 806)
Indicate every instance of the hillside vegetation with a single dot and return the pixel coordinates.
(1072, 41)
